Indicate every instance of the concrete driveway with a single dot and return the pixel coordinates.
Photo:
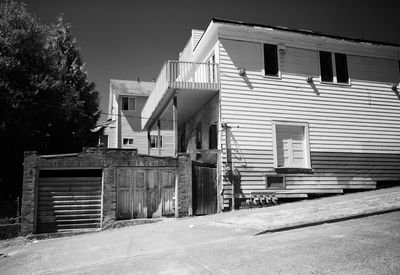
(224, 243)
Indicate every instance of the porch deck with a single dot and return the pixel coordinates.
(178, 75)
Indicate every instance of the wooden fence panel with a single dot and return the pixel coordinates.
(204, 190)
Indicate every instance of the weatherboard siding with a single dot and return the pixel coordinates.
(354, 133)
(207, 116)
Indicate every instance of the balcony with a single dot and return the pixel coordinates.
(193, 82)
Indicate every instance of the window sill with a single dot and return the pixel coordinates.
(292, 170)
(278, 77)
(336, 83)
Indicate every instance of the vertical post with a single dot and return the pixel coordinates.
(148, 141)
(175, 122)
(229, 161)
(159, 137)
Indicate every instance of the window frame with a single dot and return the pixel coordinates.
(213, 135)
(128, 139)
(128, 98)
(199, 136)
(334, 70)
(156, 143)
(306, 142)
(279, 74)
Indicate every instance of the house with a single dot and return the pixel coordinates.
(280, 110)
(123, 127)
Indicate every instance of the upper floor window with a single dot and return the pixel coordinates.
(154, 141)
(212, 137)
(128, 103)
(198, 136)
(271, 64)
(399, 66)
(329, 73)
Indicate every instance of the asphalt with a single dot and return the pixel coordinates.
(313, 212)
(139, 246)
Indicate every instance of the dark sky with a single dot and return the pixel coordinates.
(124, 39)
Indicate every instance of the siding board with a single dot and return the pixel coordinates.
(353, 129)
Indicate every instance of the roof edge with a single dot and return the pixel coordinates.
(307, 32)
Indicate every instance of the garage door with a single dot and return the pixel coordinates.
(69, 200)
(145, 193)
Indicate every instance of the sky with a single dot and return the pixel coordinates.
(121, 39)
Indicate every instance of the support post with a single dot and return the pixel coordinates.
(229, 162)
(148, 141)
(159, 137)
(175, 122)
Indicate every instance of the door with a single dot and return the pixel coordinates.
(69, 200)
(145, 192)
(204, 190)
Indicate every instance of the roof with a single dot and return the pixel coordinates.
(129, 87)
(307, 32)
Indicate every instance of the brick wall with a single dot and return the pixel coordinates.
(108, 160)
(185, 206)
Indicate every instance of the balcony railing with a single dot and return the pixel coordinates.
(179, 75)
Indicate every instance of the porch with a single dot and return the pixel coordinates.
(181, 89)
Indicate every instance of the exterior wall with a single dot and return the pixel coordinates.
(128, 125)
(207, 116)
(186, 53)
(353, 129)
(108, 160)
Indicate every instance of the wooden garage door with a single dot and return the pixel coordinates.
(69, 200)
(145, 192)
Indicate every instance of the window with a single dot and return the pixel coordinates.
(183, 141)
(154, 141)
(325, 60)
(271, 60)
(128, 103)
(341, 68)
(127, 141)
(198, 136)
(212, 137)
(275, 182)
(291, 145)
(328, 74)
(399, 66)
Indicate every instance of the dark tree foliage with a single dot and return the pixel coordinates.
(47, 103)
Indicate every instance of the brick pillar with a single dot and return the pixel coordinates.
(185, 206)
(29, 193)
(109, 195)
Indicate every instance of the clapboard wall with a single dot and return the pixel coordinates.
(207, 115)
(354, 133)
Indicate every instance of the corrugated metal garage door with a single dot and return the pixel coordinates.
(69, 200)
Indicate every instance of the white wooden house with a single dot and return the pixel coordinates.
(123, 128)
(291, 111)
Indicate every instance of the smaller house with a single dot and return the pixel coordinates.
(123, 129)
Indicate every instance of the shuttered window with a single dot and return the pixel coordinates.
(291, 149)
(271, 67)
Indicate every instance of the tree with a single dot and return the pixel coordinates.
(47, 103)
